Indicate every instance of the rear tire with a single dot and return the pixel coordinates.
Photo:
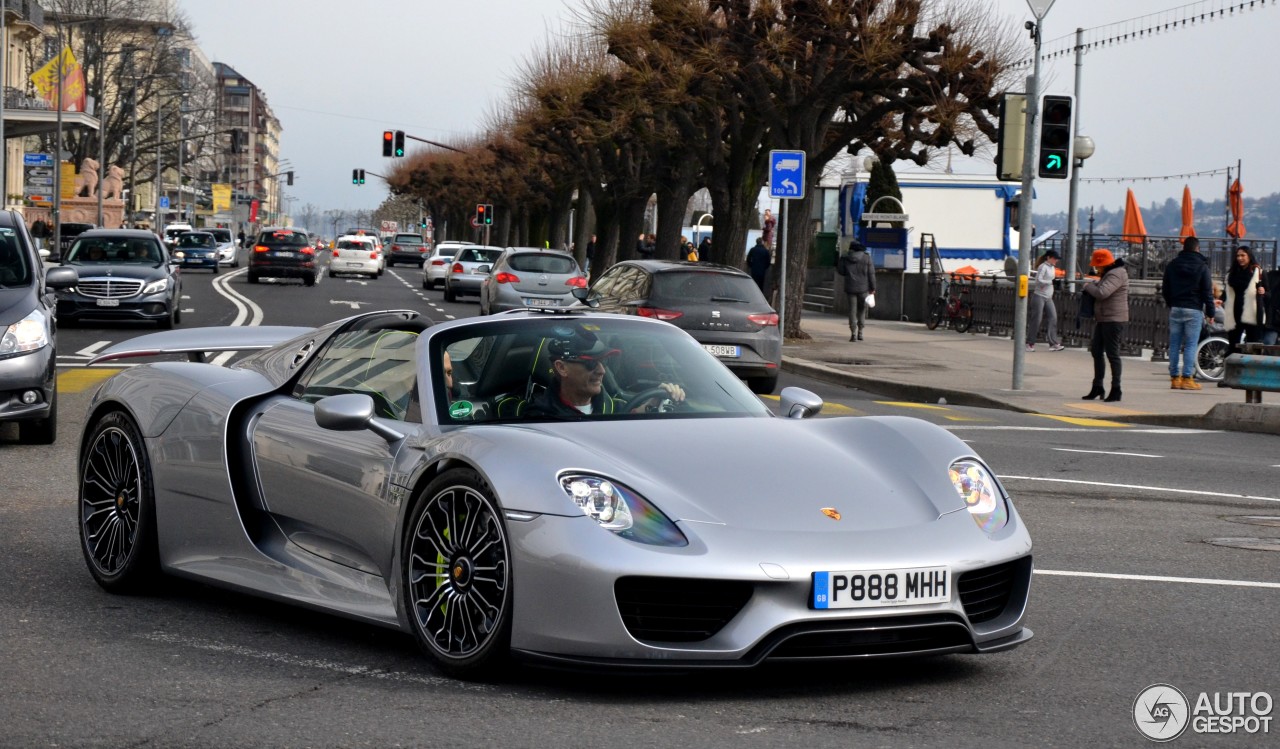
(117, 507)
(763, 385)
(936, 313)
(964, 317)
(456, 577)
(449, 296)
(253, 277)
(309, 280)
(1211, 358)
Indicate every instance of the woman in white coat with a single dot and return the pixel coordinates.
(1246, 297)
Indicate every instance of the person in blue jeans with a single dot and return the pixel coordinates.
(1188, 290)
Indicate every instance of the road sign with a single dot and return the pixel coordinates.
(474, 223)
(786, 174)
(390, 227)
(45, 181)
(40, 198)
(39, 172)
(37, 159)
(884, 217)
(164, 201)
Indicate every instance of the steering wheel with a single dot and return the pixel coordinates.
(664, 405)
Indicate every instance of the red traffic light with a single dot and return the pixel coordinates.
(387, 137)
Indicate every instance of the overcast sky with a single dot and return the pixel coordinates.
(338, 72)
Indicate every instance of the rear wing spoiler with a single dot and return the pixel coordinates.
(196, 342)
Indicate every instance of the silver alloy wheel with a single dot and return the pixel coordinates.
(111, 501)
(458, 572)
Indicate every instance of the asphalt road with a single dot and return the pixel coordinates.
(1129, 592)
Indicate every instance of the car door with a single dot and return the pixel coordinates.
(329, 490)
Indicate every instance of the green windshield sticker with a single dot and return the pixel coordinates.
(461, 410)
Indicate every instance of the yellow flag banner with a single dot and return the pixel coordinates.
(221, 198)
(63, 68)
(68, 180)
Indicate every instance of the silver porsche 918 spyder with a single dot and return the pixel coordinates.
(568, 488)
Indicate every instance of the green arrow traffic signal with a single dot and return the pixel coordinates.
(1053, 162)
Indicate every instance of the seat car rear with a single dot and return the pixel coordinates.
(356, 255)
(407, 248)
(283, 253)
(125, 274)
(28, 350)
(720, 306)
(469, 269)
(531, 278)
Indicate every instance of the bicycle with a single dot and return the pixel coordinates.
(952, 307)
(1211, 355)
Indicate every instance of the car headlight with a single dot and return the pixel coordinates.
(982, 496)
(155, 287)
(27, 334)
(619, 509)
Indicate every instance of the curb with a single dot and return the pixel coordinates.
(904, 390)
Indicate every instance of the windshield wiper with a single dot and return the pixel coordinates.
(728, 299)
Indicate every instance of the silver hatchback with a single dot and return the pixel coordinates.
(531, 278)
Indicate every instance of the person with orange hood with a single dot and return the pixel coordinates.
(1111, 312)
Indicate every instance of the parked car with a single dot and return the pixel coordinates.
(197, 250)
(470, 266)
(282, 252)
(407, 248)
(436, 266)
(124, 274)
(718, 305)
(337, 468)
(28, 333)
(69, 231)
(531, 278)
(228, 252)
(357, 255)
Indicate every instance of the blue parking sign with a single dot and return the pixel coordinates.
(786, 174)
(164, 201)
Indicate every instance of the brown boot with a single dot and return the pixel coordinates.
(1175, 383)
(1189, 383)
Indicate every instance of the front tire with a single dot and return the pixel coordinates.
(456, 576)
(964, 317)
(117, 507)
(936, 313)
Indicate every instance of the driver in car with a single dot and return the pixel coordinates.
(577, 389)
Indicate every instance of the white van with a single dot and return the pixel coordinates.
(172, 231)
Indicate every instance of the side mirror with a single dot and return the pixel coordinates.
(351, 412)
(62, 277)
(798, 403)
(583, 294)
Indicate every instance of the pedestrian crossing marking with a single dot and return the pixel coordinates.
(81, 379)
(1083, 422)
(1104, 409)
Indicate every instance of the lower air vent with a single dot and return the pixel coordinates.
(984, 593)
(670, 609)
(873, 637)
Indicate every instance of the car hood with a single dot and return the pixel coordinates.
(15, 304)
(140, 272)
(768, 474)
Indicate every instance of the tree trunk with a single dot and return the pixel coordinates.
(731, 209)
(583, 226)
(631, 226)
(799, 243)
(673, 201)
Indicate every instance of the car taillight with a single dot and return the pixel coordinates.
(260, 248)
(438, 261)
(308, 251)
(577, 281)
(764, 319)
(395, 248)
(373, 255)
(658, 313)
(457, 268)
(505, 277)
(335, 253)
(422, 249)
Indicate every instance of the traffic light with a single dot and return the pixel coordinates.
(482, 214)
(288, 177)
(362, 176)
(1010, 142)
(488, 214)
(355, 176)
(387, 138)
(399, 150)
(422, 224)
(1054, 161)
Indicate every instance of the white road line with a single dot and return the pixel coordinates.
(1140, 488)
(247, 311)
(1162, 579)
(88, 352)
(1157, 430)
(1105, 452)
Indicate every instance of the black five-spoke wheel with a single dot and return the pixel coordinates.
(458, 575)
(117, 511)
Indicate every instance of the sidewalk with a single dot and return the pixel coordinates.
(910, 362)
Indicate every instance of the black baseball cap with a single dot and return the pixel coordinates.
(574, 343)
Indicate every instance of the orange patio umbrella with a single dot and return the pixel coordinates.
(1235, 200)
(1134, 230)
(1188, 219)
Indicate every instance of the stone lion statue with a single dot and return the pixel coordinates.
(87, 179)
(113, 183)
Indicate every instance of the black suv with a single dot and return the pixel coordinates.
(28, 327)
(283, 253)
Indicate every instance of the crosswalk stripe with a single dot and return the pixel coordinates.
(1083, 422)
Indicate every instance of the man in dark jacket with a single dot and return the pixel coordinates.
(1188, 290)
(758, 262)
(859, 282)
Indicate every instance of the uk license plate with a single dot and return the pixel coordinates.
(730, 352)
(862, 589)
(108, 302)
(540, 302)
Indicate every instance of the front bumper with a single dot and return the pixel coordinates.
(150, 307)
(201, 262)
(405, 256)
(305, 269)
(465, 284)
(759, 354)
(35, 370)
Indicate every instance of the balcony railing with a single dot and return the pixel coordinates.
(16, 98)
(29, 11)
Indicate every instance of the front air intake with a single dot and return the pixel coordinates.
(670, 609)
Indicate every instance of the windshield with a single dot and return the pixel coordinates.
(172, 233)
(477, 256)
(222, 235)
(543, 262)
(354, 244)
(703, 286)
(507, 371)
(287, 238)
(15, 270)
(202, 240)
(408, 239)
(114, 251)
